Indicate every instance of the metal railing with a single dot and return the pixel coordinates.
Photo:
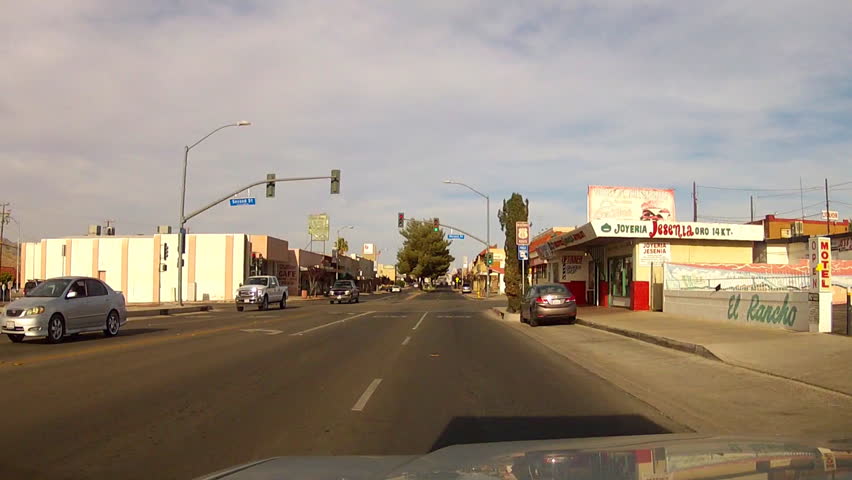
(755, 283)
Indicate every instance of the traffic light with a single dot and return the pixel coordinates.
(270, 187)
(165, 251)
(335, 182)
(400, 220)
(436, 224)
(489, 258)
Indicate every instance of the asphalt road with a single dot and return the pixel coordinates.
(177, 397)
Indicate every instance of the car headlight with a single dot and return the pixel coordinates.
(34, 311)
(348, 292)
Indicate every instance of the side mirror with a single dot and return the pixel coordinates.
(71, 294)
(241, 284)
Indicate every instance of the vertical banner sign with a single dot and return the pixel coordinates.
(522, 233)
(819, 298)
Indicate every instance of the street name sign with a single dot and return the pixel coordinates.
(455, 236)
(243, 201)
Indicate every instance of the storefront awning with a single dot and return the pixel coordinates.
(599, 232)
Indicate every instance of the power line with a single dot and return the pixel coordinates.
(740, 189)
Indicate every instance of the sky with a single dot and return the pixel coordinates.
(99, 97)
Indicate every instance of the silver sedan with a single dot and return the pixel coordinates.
(65, 306)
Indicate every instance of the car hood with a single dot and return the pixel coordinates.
(647, 457)
(27, 302)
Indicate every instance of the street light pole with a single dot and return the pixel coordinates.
(182, 220)
(487, 229)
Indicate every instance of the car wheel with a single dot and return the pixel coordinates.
(55, 329)
(533, 321)
(331, 302)
(358, 299)
(239, 309)
(264, 304)
(113, 323)
(572, 320)
(15, 338)
(283, 304)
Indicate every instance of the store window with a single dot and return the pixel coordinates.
(620, 276)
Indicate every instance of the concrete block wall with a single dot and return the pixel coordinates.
(787, 310)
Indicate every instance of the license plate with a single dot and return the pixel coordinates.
(10, 325)
(339, 297)
(557, 301)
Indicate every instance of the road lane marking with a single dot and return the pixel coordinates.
(330, 324)
(389, 316)
(453, 316)
(365, 397)
(407, 339)
(420, 321)
(262, 330)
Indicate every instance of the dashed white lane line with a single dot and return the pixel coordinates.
(365, 397)
(407, 339)
(330, 324)
(420, 321)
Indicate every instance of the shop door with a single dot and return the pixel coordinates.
(620, 277)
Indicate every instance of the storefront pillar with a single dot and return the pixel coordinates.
(603, 295)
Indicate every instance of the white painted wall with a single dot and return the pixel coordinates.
(768, 309)
(81, 256)
(140, 270)
(209, 267)
(32, 262)
(240, 268)
(55, 261)
(109, 260)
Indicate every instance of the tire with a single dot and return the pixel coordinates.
(533, 321)
(15, 338)
(283, 303)
(358, 299)
(113, 324)
(55, 329)
(239, 309)
(572, 320)
(331, 302)
(264, 305)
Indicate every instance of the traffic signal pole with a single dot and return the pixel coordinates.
(335, 177)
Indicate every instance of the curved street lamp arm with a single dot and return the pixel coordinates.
(211, 133)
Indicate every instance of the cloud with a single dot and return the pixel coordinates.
(542, 99)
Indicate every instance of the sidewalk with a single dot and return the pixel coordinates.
(817, 359)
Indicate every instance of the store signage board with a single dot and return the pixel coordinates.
(819, 261)
(842, 244)
(832, 215)
(678, 230)
(654, 253)
(630, 204)
(318, 227)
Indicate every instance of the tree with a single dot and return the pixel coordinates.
(424, 253)
(515, 209)
(342, 246)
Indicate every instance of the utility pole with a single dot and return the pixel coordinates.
(694, 202)
(751, 200)
(3, 220)
(827, 211)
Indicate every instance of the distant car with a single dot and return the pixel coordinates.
(396, 289)
(65, 306)
(466, 288)
(550, 302)
(344, 291)
(262, 290)
(31, 284)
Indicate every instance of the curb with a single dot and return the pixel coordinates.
(693, 348)
(168, 311)
(502, 315)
